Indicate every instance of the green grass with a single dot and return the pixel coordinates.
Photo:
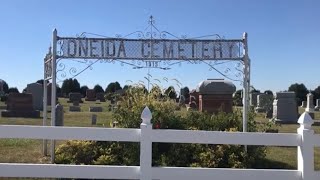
(26, 150)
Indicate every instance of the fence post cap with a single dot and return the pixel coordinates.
(305, 120)
(146, 115)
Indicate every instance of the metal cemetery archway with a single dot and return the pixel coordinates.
(150, 49)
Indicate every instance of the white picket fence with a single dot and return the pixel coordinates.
(305, 140)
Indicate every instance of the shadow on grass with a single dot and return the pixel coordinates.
(270, 164)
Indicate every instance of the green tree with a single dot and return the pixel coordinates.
(13, 90)
(170, 92)
(185, 92)
(5, 86)
(98, 89)
(83, 90)
(316, 94)
(125, 87)
(301, 92)
(112, 87)
(269, 92)
(70, 85)
(75, 86)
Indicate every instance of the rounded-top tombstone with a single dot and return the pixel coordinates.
(215, 95)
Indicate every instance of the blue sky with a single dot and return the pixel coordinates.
(283, 35)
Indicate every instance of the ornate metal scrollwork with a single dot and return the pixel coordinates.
(152, 33)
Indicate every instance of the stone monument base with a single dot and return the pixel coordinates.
(72, 101)
(25, 114)
(74, 109)
(95, 109)
(280, 121)
(90, 99)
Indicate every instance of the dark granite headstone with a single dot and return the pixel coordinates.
(75, 97)
(93, 119)
(59, 115)
(20, 105)
(100, 97)
(95, 109)
(90, 95)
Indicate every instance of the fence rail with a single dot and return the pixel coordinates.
(305, 140)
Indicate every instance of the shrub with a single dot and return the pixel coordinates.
(164, 116)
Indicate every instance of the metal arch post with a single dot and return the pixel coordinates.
(246, 82)
(53, 91)
(45, 103)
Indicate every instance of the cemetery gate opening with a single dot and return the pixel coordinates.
(151, 51)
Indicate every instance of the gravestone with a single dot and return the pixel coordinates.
(310, 106)
(93, 119)
(285, 109)
(194, 94)
(75, 97)
(36, 90)
(1, 88)
(75, 107)
(303, 104)
(95, 109)
(264, 103)
(215, 95)
(193, 105)
(20, 105)
(59, 115)
(75, 103)
(317, 108)
(100, 97)
(253, 98)
(49, 93)
(90, 95)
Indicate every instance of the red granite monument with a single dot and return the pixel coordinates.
(215, 95)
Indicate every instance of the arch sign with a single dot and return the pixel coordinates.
(151, 51)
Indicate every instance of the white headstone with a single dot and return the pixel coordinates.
(285, 107)
(310, 106)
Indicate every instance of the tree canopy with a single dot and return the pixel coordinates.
(83, 90)
(70, 85)
(185, 92)
(98, 89)
(300, 90)
(5, 87)
(13, 90)
(113, 87)
(269, 92)
(170, 92)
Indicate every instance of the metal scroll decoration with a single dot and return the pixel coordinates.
(151, 48)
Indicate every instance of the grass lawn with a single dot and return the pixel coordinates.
(25, 150)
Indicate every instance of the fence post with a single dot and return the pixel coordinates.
(306, 149)
(146, 145)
